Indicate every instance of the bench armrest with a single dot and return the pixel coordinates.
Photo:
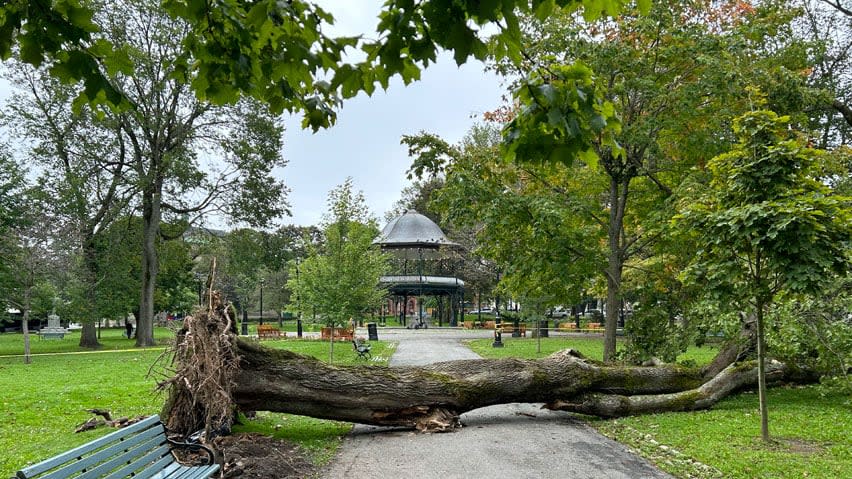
(192, 444)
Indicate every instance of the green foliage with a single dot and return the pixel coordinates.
(119, 277)
(340, 281)
(766, 221)
(276, 52)
(816, 332)
(562, 117)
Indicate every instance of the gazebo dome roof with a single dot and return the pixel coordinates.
(412, 230)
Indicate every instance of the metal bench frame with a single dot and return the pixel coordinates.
(363, 350)
(141, 450)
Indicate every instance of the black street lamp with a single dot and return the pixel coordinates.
(261, 300)
(498, 326)
(298, 303)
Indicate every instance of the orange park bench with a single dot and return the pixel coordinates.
(595, 326)
(509, 328)
(340, 334)
(266, 331)
(568, 326)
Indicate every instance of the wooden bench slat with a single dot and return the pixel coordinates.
(103, 454)
(155, 461)
(201, 472)
(173, 470)
(184, 472)
(141, 450)
(60, 459)
(135, 459)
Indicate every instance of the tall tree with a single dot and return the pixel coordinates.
(630, 104)
(83, 159)
(30, 255)
(188, 157)
(341, 280)
(768, 224)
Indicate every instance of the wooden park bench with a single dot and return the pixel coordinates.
(141, 450)
(509, 328)
(363, 349)
(266, 331)
(340, 334)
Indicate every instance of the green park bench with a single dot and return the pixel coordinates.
(363, 349)
(141, 450)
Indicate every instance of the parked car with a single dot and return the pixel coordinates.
(557, 312)
(482, 311)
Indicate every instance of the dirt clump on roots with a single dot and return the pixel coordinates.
(257, 456)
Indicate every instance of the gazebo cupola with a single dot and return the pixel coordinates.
(415, 239)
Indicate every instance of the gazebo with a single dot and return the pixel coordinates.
(414, 239)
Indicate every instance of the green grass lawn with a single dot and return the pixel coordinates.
(111, 339)
(44, 401)
(811, 428)
(591, 347)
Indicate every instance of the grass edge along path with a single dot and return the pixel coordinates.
(810, 425)
(44, 401)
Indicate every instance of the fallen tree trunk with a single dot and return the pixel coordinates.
(432, 397)
(274, 380)
(207, 390)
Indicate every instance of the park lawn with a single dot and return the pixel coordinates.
(589, 346)
(44, 401)
(12, 344)
(344, 352)
(809, 425)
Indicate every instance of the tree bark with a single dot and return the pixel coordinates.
(429, 397)
(150, 264)
(89, 334)
(218, 373)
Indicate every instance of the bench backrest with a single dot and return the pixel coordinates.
(138, 447)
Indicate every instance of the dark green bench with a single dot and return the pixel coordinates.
(141, 450)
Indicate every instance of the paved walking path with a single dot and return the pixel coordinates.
(506, 441)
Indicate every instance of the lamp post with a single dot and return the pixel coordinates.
(498, 327)
(298, 302)
(261, 300)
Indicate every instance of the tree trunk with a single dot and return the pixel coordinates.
(217, 372)
(281, 381)
(89, 334)
(25, 326)
(432, 397)
(150, 266)
(618, 204)
(761, 374)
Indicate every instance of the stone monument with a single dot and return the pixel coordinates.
(54, 330)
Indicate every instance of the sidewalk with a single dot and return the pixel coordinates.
(506, 441)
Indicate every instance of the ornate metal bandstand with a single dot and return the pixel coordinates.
(421, 253)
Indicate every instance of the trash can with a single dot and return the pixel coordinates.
(543, 329)
(516, 328)
(372, 332)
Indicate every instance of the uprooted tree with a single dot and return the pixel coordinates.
(218, 375)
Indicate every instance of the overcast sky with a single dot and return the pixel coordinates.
(364, 144)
